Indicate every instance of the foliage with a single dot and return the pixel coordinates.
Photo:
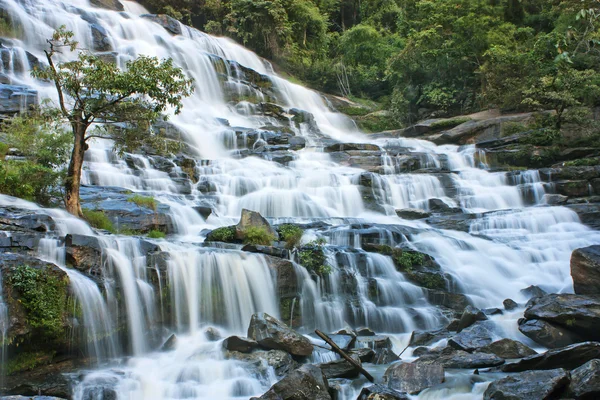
(223, 234)
(29, 181)
(156, 234)
(291, 234)
(449, 123)
(98, 220)
(43, 296)
(312, 257)
(407, 259)
(144, 201)
(28, 361)
(582, 162)
(258, 235)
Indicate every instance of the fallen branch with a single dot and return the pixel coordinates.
(345, 356)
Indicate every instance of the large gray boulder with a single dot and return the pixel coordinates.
(254, 220)
(305, 383)
(264, 362)
(271, 333)
(472, 338)
(508, 348)
(340, 368)
(469, 317)
(547, 334)
(169, 23)
(452, 358)
(585, 270)
(530, 385)
(413, 377)
(381, 392)
(585, 381)
(567, 357)
(236, 343)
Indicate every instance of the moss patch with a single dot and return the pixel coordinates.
(258, 235)
(449, 123)
(224, 234)
(144, 201)
(28, 361)
(98, 220)
(312, 257)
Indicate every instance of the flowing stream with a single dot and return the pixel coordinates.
(512, 240)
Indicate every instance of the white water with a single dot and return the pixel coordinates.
(516, 243)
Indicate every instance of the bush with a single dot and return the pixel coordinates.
(258, 235)
(156, 234)
(583, 162)
(406, 259)
(223, 234)
(3, 149)
(290, 234)
(30, 181)
(144, 201)
(312, 257)
(98, 220)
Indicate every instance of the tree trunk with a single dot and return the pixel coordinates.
(73, 181)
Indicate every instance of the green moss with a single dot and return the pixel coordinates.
(223, 234)
(258, 235)
(354, 111)
(312, 257)
(98, 220)
(28, 361)
(377, 122)
(144, 201)
(583, 162)
(511, 128)
(406, 259)
(43, 297)
(449, 123)
(290, 234)
(290, 311)
(156, 234)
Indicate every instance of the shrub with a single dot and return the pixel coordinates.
(406, 259)
(258, 235)
(156, 234)
(143, 201)
(291, 234)
(30, 181)
(3, 149)
(223, 234)
(98, 220)
(312, 257)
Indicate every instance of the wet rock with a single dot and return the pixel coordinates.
(413, 377)
(365, 355)
(568, 357)
(14, 99)
(438, 205)
(426, 338)
(531, 385)
(340, 368)
(167, 22)
(585, 270)
(533, 291)
(351, 147)
(454, 301)
(170, 343)
(547, 334)
(114, 5)
(385, 356)
(472, 338)
(305, 383)
(452, 358)
(44, 380)
(344, 342)
(412, 213)
(508, 348)
(84, 253)
(554, 199)
(100, 40)
(576, 313)
(236, 343)
(577, 188)
(274, 334)
(281, 362)
(212, 334)
(365, 332)
(381, 392)
(453, 325)
(509, 304)
(492, 311)
(254, 220)
(469, 317)
(374, 342)
(585, 381)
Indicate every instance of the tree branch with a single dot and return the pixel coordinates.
(61, 98)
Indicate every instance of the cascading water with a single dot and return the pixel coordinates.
(511, 240)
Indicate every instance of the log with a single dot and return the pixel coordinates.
(345, 356)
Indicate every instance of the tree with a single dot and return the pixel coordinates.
(92, 91)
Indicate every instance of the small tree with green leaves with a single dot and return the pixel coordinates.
(92, 91)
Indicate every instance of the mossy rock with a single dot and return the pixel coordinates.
(290, 311)
(224, 234)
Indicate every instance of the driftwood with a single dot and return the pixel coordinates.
(345, 356)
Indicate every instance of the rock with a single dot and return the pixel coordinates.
(452, 358)
(344, 342)
(281, 362)
(412, 213)
(492, 311)
(547, 334)
(472, 338)
(374, 342)
(114, 5)
(530, 385)
(14, 99)
(100, 40)
(454, 301)
(167, 22)
(365, 355)
(585, 381)
(585, 270)
(306, 383)
(381, 392)
(212, 334)
(385, 356)
(413, 377)
(577, 188)
(44, 381)
(438, 205)
(84, 253)
(568, 357)
(508, 348)
(365, 332)
(554, 199)
(576, 313)
(509, 304)
(533, 291)
(426, 338)
(236, 343)
(469, 317)
(340, 368)
(297, 143)
(274, 334)
(170, 343)
(255, 220)
(351, 146)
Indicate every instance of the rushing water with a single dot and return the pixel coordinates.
(513, 240)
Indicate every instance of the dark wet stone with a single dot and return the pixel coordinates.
(469, 317)
(510, 304)
(452, 358)
(472, 338)
(305, 383)
(413, 377)
(271, 333)
(381, 392)
(530, 385)
(508, 348)
(585, 270)
(340, 368)
(547, 334)
(385, 356)
(566, 357)
(585, 381)
(236, 343)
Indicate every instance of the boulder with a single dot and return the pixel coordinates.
(381, 392)
(533, 291)
(212, 334)
(170, 343)
(585, 381)
(374, 342)
(454, 301)
(472, 338)
(413, 377)
(351, 147)
(469, 317)
(426, 338)
(344, 342)
(255, 220)
(167, 22)
(340, 368)
(271, 333)
(412, 213)
(576, 313)
(365, 355)
(14, 99)
(100, 40)
(554, 199)
(84, 253)
(385, 356)
(530, 385)
(236, 343)
(114, 5)
(585, 270)
(508, 348)
(280, 361)
(510, 304)
(547, 334)
(452, 358)
(365, 332)
(566, 357)
(440, 206)
(306, 383)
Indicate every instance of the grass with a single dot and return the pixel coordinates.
(144, 201)
(258, 235)
(3, 149)
(156, 234)
(98, 220)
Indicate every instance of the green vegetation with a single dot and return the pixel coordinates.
(144, 201)
(290, 234)
(93, 89)
(407, 259)
(223, 234)
(43, 296)
(312, 257)
(258, 235)
(3, 149)
(156, 234)
(28, 361)
(583, 162)
(98, 220)
(449, 123)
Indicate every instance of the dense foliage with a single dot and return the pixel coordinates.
(421, 57)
